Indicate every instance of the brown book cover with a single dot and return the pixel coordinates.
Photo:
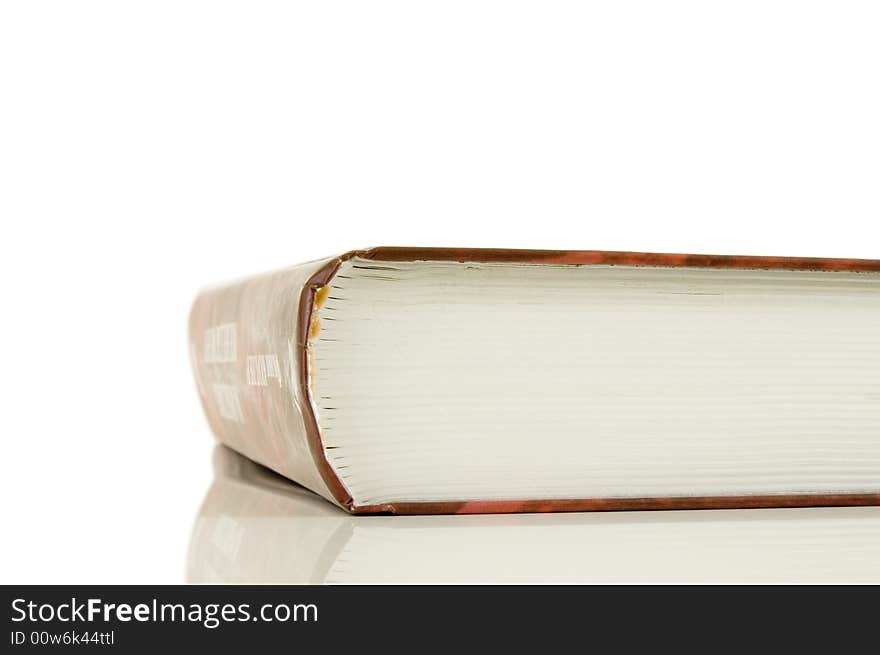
(251, 343)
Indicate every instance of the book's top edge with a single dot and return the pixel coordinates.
(612, 258)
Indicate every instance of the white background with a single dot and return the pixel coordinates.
(147, 149)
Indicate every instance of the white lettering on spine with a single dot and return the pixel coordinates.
(228, 404)
(260, 368)
(220, 344)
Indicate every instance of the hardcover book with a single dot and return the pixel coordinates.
(422, 380)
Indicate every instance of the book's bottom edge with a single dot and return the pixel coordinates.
(619, 504)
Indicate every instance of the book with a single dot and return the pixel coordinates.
(429, 380)
(255, 526)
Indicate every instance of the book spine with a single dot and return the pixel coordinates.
(248, 344)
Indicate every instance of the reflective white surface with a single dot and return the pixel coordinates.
(148, 149)
(255, 526)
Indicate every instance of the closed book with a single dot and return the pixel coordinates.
(430, 380)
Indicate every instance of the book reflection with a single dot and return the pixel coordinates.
(255, 526)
